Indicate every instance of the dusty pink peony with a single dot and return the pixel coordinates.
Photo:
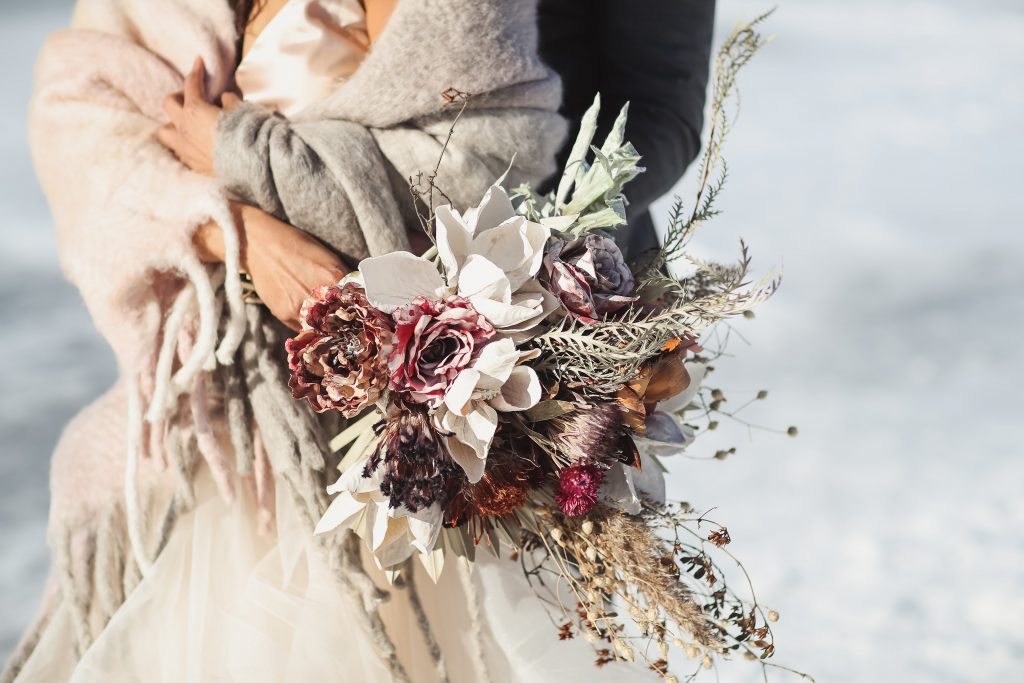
(589, 276)
(434, 341)
(577, 488)
(338, 360)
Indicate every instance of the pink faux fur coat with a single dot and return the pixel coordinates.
(125, 210)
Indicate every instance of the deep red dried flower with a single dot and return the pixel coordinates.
(577, 488)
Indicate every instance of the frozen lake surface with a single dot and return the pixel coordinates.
(879, 157)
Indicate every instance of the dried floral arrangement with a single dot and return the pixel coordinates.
(517, 388)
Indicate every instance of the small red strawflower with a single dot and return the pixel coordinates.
(577, 488)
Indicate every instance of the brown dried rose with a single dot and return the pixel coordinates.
(338, 360)
(661, 378)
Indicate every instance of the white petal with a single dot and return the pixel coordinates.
(537, 236)
(340, 514)
(521, 392)
(353, 481)
(424, 526)
(395, 550)
(480, 278)
(379, 529)
(395, 279)
(617, 490)
(494, 209)
(453, 239)
(483, 422)
(459, 396)
(495, 363)
(467, 459)
(683, 399)
(539, 304)
(516, 246)
(649, 480)
(505, 317)
(433, 563)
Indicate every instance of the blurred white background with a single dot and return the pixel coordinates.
(879, 157)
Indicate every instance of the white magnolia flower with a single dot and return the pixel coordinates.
(495, 231)
(494, 383)
(491, 258)
(392, 534)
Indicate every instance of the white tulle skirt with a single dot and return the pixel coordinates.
(224, 603)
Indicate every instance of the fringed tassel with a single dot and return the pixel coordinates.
(133, 509)
(297, 414)
(79, 598)
(182, 458)
(358, 587)
(206, 335)
(239, 418)
(423, 621)
(476, 627)
(234, 331)
(29, 641)
(263, 476)
(162, 400)
(209, 448)
(110, 560)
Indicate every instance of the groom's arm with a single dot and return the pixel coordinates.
(651, 53)
(656, 55)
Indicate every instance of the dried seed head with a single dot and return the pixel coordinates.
(792, 431)
(587, 527)
(773, 615)
(762, 395)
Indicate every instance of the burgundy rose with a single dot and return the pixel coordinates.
(589, 276)
(434, 341)
(339, 359)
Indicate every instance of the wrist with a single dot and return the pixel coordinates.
(208, 240)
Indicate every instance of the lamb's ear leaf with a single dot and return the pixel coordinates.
(618, 132)
(575, 164)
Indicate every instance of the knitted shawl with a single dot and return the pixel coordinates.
(201, 379)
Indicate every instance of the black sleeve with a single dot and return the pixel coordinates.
(656, 55)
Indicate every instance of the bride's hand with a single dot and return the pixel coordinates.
(193, 127)
(285, 263)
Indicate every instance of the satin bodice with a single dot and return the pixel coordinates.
(303, 54)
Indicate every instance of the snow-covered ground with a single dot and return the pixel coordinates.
(879, 157)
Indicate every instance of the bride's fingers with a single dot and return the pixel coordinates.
(229, 101)
(173, 106)
(195, 84)
(169, 137)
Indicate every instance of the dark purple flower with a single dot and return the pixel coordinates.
(417, 467)
(589, 276)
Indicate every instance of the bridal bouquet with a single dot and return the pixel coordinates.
(518, 388)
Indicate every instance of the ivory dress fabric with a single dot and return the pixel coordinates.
(227, 600)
